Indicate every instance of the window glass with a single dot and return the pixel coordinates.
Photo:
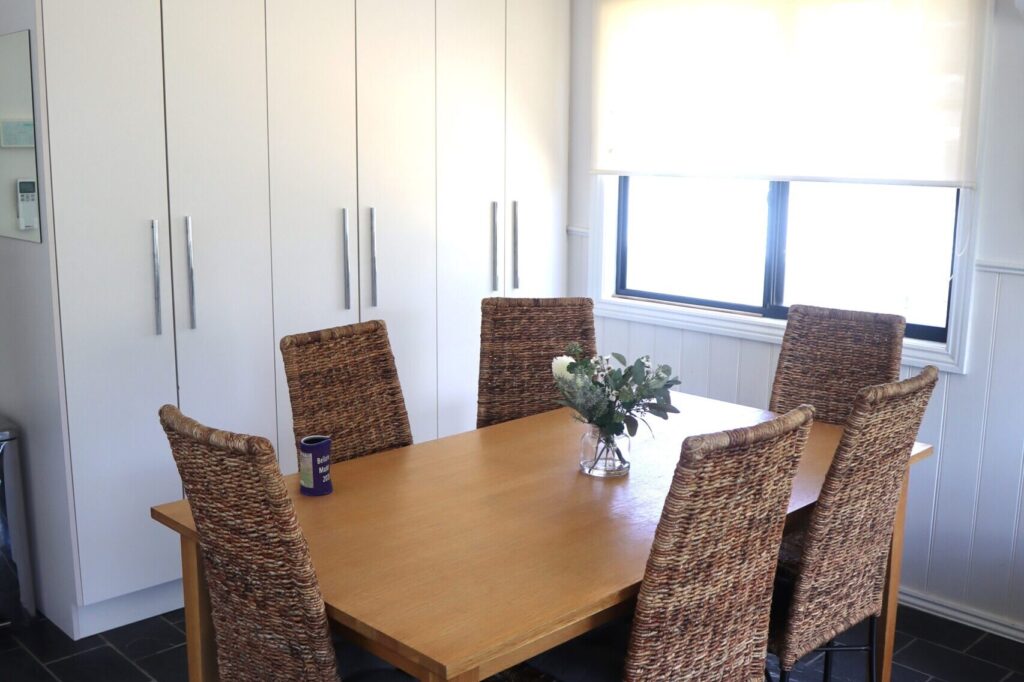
(700, 239)
(883, 248)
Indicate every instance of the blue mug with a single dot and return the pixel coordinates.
(315, 465)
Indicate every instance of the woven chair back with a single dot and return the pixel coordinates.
(519, 337)
(704, 603)
(828, 355)
(343, 383)
(268, 613)
(842, 566)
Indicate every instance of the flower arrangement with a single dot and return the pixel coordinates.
(614, 400)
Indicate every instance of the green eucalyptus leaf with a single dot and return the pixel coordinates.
(620, 358)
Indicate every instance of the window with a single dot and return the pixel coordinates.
(756, 246)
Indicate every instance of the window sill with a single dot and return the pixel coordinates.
(916, 353)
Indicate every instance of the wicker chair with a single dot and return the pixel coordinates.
(268, 614)
(832, 575)
(343, 383)
(828, 355)
(702, 611)
(518, 339)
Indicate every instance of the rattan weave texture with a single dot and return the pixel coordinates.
(518, 339)
(828, 355)
(268, 613)
(832, 573)
(702, 612)
(343, 383)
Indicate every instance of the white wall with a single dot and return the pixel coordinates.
(29, 361)
(15, 104)
(964, 547)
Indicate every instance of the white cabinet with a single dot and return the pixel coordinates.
(311, 77)
(199, 164)
(471, 215)
(537, 146)
(502, 165)
(396, 170)
(215, 80)
(108, 185)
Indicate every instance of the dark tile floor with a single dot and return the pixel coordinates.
(929, 649)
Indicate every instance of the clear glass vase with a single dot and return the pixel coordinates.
(602, 455)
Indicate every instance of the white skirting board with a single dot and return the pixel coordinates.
(962, 614)
(112, 613)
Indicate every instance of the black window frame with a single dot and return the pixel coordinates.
(774, 267)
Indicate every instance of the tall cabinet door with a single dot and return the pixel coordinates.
(215, 75)
(470, 194)
(109, 191)
(311, 81)
(537, 146)
(398, 273)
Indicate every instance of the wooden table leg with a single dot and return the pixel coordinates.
(199, 639)
(891, 596)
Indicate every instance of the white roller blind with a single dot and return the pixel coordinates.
(865, 90)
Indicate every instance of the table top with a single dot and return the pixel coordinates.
(464, 552)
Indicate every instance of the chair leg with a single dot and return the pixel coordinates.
(872, 648)
(828, 664)
(783, 675)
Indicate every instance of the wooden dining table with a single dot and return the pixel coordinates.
(457, 558)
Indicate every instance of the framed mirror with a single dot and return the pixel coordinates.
(19, 186)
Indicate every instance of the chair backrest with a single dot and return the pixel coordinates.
(828, 355)
(343, 383)
(268, 613)
(845, 552)
(704, 603)
(519, 337)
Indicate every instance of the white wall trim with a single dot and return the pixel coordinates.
(999, 267)
(916, 353)
(577, 231)
(962, 614)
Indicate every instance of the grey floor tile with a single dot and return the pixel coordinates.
(948, 665)
(1001, 651)
(145, 637)
(934, 629)
(176, 617)
(16, 665)
(48, 643)
(7, 640)
(99, 665)
(167, 666)
(903, 674)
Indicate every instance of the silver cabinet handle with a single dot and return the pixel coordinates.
(344, 258)
(155, 228)
(494, 246)
(373, 257)
(515, 244)
(191, 272)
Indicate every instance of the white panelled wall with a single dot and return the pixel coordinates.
(964, 546)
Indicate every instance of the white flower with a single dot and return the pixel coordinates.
(560, 367)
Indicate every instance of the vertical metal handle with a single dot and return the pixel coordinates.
(344, 259)
(191, 273)
(155, 228)
(515, 244)
(494, 246)
(373, 257)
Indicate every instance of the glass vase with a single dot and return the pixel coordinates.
(603, 455)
